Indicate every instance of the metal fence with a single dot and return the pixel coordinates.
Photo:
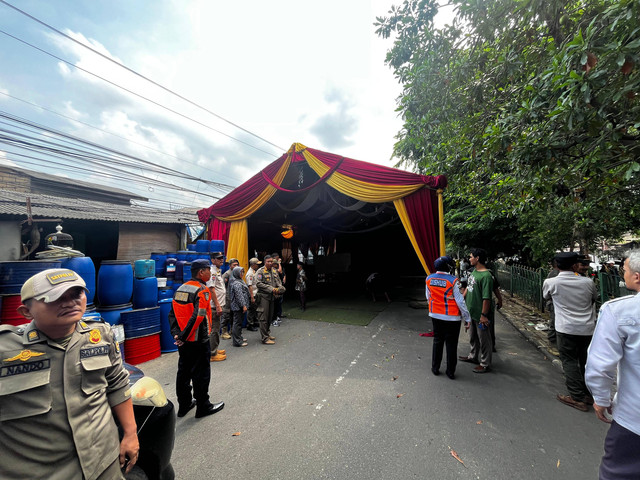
(526, 283)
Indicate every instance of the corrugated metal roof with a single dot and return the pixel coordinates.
(46, 206)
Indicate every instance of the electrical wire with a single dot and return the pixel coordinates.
(121, 65)
(133, 93)
(107, 132)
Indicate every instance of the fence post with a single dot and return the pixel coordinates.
(541, 283)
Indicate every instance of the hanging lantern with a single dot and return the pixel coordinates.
(287, 231)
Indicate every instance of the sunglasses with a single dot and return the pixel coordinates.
(219, 258)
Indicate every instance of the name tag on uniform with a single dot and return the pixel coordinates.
(94, 351)
(181, 296)
(27, 367)
(437, 282)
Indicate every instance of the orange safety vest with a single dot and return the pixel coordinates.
(191, 310)
(441, 300)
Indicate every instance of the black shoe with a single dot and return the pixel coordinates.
(451, 376)
(252, 329)
(435, 371)
(183, 411)
(210, 410)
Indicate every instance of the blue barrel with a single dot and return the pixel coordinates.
(202, 246)
(191, 247)
(145, 292)
(141, 322)
(111, 313)
(186, 272)
(115, 282)
(179, 268)
(170, 283)
(203, 256)
(14, 274)
(176, 286)
(91, 307)
(182, 254)
(216, 246)
(167, 342)
(84, 267)
(144, 268)
(164, 293)
(161, 259)
(170, 268)
(172, 254)
(191, 256)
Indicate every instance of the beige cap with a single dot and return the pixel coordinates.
(49, 285)
(254, 261)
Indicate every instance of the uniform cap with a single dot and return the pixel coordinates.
(49, 285)
(199, 264)
(231, 260)
(443, 263)
(254, 261)
(216, 254)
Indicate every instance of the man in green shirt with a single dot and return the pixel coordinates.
(478, 300)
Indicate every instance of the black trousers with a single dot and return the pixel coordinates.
(193, 368)
(621, 460)
(445, 332)
(573, 355)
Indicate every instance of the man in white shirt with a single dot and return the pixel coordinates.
(573, 298)
(218, 300)
(251, 281)
(616, 349)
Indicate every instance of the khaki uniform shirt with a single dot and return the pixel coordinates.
(267, 280)
(218, 287)
(55, 403)
(251, 281)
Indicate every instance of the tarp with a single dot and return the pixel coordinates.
(417, 199)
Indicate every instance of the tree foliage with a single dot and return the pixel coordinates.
(532, 110)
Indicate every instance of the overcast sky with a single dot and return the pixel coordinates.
(288, 71)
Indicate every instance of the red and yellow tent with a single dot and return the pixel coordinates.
(416, 198)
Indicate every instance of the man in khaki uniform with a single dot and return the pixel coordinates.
(251, 281)
(270, 289)
(61, 382)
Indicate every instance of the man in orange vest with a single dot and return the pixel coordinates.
(190, 320)
(446, 308)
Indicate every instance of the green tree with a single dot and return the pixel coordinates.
(531, 108)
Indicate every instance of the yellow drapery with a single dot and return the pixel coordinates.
(404, 218)
(364, 191)
(264, 196)
(239, 242)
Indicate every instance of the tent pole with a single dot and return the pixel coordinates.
(443, 250)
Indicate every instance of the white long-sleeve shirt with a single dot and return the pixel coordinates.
(573, 302)
(616, 345)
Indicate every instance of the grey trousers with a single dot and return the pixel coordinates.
(481, 345)
(214, 337)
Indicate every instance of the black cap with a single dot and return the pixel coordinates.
(199, 264)
(565, 260)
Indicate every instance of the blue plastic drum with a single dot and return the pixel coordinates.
(216, 246)
(164, 293)
(145, 292)
(161, 259)
(14, 274)
(167, 342)
(111, 314)
(144, 268)
(202, 246)
(191, 247)
(170, 268)
(115, 282)
(84, 267)
(182, 254)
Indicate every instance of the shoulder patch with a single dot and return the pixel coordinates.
(181, 296)
(259, 277)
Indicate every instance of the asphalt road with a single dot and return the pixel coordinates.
(323, 404)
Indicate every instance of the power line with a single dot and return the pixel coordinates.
(133, 93)
(107, 132)
(71, 138)
(136, 73)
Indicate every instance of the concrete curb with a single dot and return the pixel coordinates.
(541, 348)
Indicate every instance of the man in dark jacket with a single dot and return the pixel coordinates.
(190, 320)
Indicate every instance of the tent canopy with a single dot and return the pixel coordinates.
(332, 193)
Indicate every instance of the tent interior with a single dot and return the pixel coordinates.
(342, 240)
